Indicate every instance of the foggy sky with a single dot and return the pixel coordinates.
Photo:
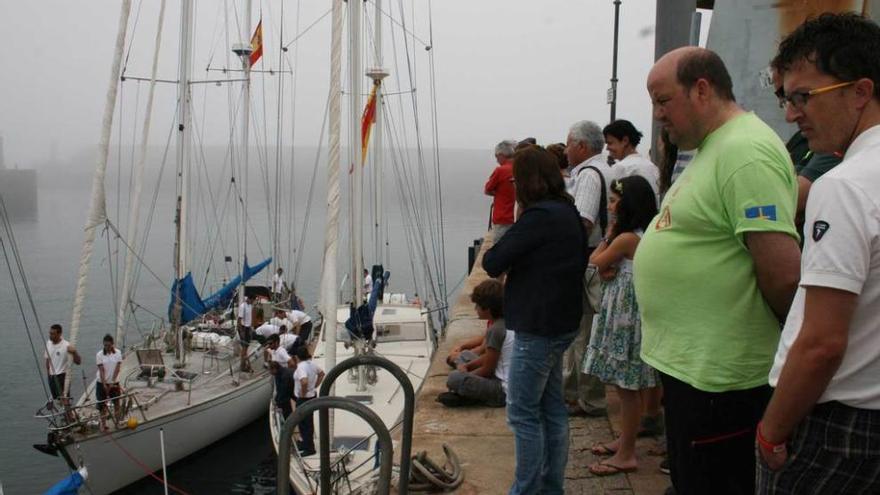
(503, 69)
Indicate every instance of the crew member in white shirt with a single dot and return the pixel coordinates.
(109, 361)
(275, 352)
(245, 332)
(307, 378)
(368, 283)
(266, 329)
(58, 354)
(280, 319)
(302, 324)
(286, 339)
(622, 138)
(278, 284)
(820, 433)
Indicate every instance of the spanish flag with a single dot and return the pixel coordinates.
(367, 120)
(257, 44)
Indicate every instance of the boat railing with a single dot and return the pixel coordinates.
(64, 417)
(409, 401)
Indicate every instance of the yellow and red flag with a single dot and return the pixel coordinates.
(257, 44)
(367, 120)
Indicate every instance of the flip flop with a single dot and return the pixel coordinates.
(603, 468)
(602, 449)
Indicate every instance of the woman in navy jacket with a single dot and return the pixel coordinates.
(543, 255)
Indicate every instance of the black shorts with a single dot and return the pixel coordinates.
(56, 385)
(245, 335)
(101, 394)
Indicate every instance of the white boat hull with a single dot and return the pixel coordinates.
(186, 431)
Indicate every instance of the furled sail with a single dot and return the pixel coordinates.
(192, 304)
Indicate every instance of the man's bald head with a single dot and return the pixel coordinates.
(690, 64)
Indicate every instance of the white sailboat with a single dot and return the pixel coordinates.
(185, 381)
(403, 330)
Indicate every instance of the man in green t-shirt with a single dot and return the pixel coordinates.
(714, 272)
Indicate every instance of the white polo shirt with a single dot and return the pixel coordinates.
(842, 251)
(281, 356)
(266, 329)
(309, 370)
(245, 312)
(109, 362)
(588, 192)
(298, 317)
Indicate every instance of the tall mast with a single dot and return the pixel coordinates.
(183, 119)
(331, 236)
(244, 51)
(377, 74)
(357, 187)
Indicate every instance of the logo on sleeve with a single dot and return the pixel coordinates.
(765, 212)
(820, 227)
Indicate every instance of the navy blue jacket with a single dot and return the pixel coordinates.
(544, 253)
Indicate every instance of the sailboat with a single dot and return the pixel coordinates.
(374, 320)
(187, 382)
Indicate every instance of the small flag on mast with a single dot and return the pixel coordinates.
(257, 44)
(367, 120)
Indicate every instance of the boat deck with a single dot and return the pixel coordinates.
(207, 374)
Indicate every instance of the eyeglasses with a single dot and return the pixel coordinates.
(798, 99)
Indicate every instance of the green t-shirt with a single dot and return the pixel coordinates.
(704, 320)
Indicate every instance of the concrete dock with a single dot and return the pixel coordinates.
(484, 442)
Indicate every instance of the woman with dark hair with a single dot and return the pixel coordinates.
(668, 155)
(544, 257)
(613, 353)
(558, 151)
(621, 140)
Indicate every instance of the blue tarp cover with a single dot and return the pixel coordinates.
(194, 306)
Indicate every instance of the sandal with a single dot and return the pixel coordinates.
(603, 468)
(602, 449)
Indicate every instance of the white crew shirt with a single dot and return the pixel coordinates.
(58, 356)
(109, 361)
(266, 329)
(636, 164)
(588, 192)
(306, 369)
(245, 313)
(281, 322)
(297, 317)
(281, 356)
(277, 283)
(842, 251)
(287, 339)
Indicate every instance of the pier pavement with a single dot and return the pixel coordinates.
(484, 442)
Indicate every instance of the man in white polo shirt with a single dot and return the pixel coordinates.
(821, 430)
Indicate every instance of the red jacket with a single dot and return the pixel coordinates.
(500, 185)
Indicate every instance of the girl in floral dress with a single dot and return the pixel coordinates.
(613, 352)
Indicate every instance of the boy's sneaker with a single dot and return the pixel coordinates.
(451, 399)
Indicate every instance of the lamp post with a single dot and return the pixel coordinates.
(612, 93)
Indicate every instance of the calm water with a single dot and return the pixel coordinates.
(50, 247)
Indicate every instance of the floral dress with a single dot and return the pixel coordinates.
(613, 352)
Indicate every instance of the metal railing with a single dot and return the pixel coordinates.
(323, 403)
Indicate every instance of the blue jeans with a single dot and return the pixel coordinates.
(537, 414)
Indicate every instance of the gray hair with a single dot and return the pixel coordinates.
(589, 133)
(506, 147)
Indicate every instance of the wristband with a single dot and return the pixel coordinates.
(776, 448)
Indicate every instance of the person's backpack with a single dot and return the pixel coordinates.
(592, 281)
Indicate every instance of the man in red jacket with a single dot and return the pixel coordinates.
(500, 186)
